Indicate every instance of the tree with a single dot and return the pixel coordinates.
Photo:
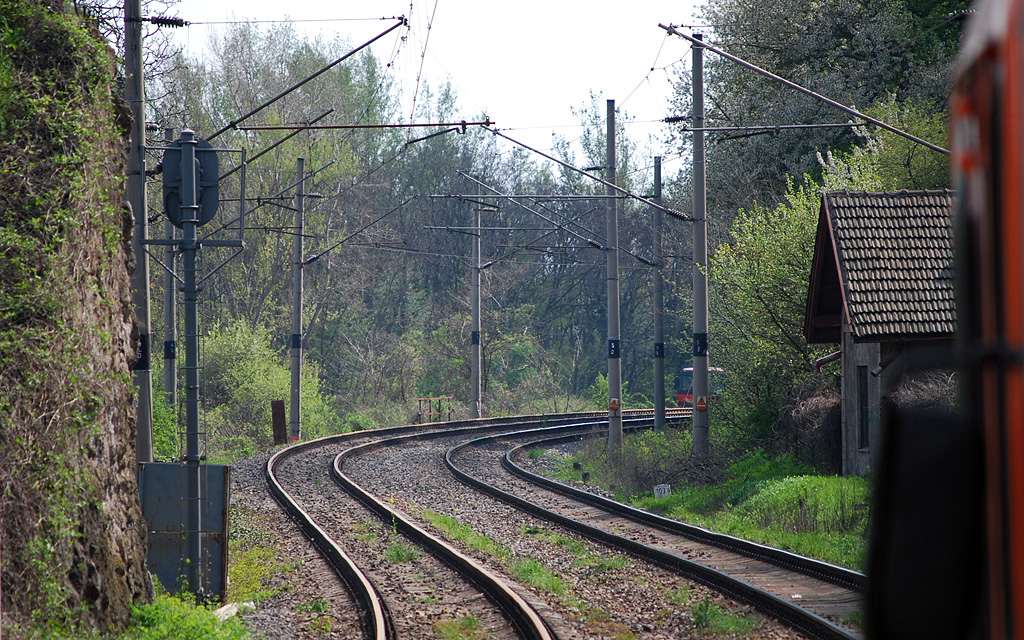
(860, 52)
(759, 283)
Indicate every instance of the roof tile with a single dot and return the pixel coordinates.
(896, 257)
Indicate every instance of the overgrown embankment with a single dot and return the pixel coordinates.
(73, 551)
(780, 501)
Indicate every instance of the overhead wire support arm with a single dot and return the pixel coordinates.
(625, 192)
(529, 196)
(315, 257)
(590, 241)
(792, 85)
(260, 201)
(234, 123)
(765, 128)
(323, 127)
(278, 143)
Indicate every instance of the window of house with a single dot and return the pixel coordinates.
(863, 427)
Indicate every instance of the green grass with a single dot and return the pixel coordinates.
(778, 503)
(250, 572)
(319, 626)
(535, 453)
(367, 531)
(583, 557)
(170, 617)
(531, 572)
(455, 530)
(255, 559)
(709, 616)
(465, 628)
(678, 596)
(317, 605)
(600, 564)
(401, 552)
(817, 516)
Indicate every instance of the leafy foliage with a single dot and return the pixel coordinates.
(243, 374)
(170, 617)
(873, 55)
(759, 290)
(65, 346)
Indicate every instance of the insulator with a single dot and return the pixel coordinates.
(167, 21)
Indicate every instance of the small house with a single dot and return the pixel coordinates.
(881, 287)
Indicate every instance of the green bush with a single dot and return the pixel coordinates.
(166, 429)
(359, 422)
(242, 375)
(168, 617)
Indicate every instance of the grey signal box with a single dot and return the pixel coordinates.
(207, 182)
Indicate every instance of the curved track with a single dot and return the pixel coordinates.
(777, 583)
(811, 596)
(305, 505)
(376, 619)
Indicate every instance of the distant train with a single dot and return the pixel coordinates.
(946, 558)
(684, 385)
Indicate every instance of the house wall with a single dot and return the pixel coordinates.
(861, 397)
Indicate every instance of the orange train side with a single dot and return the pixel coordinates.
(988, 168)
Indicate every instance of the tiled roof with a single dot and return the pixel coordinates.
(895, 256)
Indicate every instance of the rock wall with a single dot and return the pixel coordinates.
(73, 550)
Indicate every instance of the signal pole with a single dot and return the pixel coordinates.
(295, 421)
(193, 458)
(701, 438)
(659, 305)
(135, 194)
(612, 258)
(170, 310)
(475, 384)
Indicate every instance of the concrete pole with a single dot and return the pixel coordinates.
(295, 420)
(170, 310)
(135, 194)
(612, 257)
(701, 429)
(475, 382)
(659, 305)
(189, 247)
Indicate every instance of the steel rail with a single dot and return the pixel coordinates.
(524, 618)
(840, 576)
(770, 604)
(375, 616)
(376, 620)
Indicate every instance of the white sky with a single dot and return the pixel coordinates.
(526, 63)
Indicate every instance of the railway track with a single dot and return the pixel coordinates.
(489, 463)
(819, 599)
(299, 479)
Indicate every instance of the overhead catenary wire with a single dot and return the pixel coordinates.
(361, 229)
(423, 58)
(590, 242)
(276, 144)
(817, 96)
(234, 123)
(289, 20)
(626, 192)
